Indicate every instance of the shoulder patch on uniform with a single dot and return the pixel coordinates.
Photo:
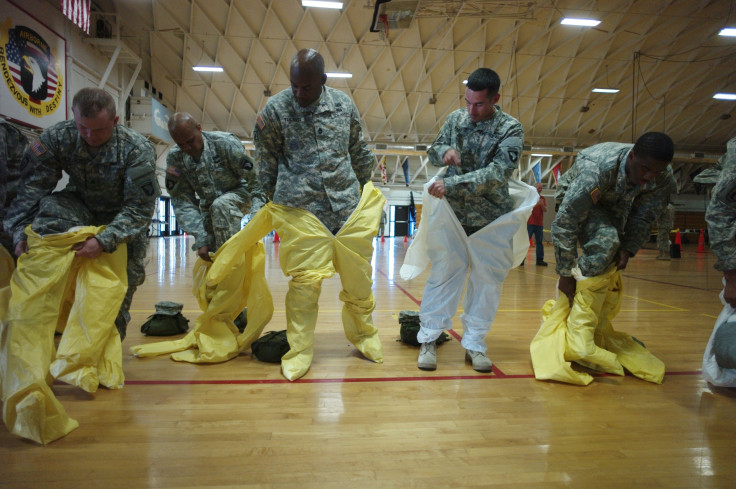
(513, 155)
(595, 195)
(260, 122)
(38, 148)
(172, 170)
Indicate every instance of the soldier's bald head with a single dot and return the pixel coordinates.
(181, 120)
(186, 133)
(308, 61)
(307, 76)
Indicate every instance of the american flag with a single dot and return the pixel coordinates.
(18, 47)
(78, 12)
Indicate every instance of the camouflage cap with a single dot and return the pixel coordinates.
(168, 308)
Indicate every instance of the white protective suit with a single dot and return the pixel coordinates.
(712, 372)
(489, 253)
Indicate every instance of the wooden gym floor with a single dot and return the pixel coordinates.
(352, 423)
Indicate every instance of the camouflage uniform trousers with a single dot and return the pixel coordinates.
(599, 239)
(62, 211)
(226, 214)
(664, 224)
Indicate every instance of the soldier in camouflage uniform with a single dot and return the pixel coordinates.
(111, 182)
(608, 201)
(721, 219)
(13, 145)
(212, 183)
(481, 145)
(311, 155)
(310, 148)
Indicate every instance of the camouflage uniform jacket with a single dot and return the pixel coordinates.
(597, 180)
(478, 190)
(119, 180)
(13, 145)
(223, 167)
(721, 213)
(312, 157)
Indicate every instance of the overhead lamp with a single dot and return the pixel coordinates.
(728, 31)
(606, 90)
(725, 96)
(321, 4)
(580, 22)
(542, 155)
(213, 69)
(465, 82)
(338, 75)
(199, 66)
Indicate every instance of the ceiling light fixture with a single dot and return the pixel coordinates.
(213, 69)
(542, 155)
(580, 22)
(321, 4)
(728, 31)
(204, 67)
(725, 96)
(605, 90)
(339, 75)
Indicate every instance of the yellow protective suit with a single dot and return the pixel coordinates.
(53, 287)
(585, 335)
(7, 265)
(308, 253)
(214, 337)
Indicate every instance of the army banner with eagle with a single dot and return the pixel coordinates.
(33, 69)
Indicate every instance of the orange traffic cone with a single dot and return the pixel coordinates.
(675, 248)
(406, 239)
(276, 238)
(701, 242)
(383, 239)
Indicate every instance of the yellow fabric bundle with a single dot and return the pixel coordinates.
(52, 289)
(585, 335)
(308, 253)
(214, 337)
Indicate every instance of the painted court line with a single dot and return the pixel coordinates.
(497, 375)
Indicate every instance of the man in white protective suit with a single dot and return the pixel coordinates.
(480, 147)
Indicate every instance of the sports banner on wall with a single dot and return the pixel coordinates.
(33, 69)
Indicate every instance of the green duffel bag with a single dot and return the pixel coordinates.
(270, 347)
(167, 321)
(409, 328)
(242, 320)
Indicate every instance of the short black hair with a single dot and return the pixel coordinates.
(484, 79)
(91, 101)
(656, 145)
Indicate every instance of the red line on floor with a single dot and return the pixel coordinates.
(417, 301)
(496, 375)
